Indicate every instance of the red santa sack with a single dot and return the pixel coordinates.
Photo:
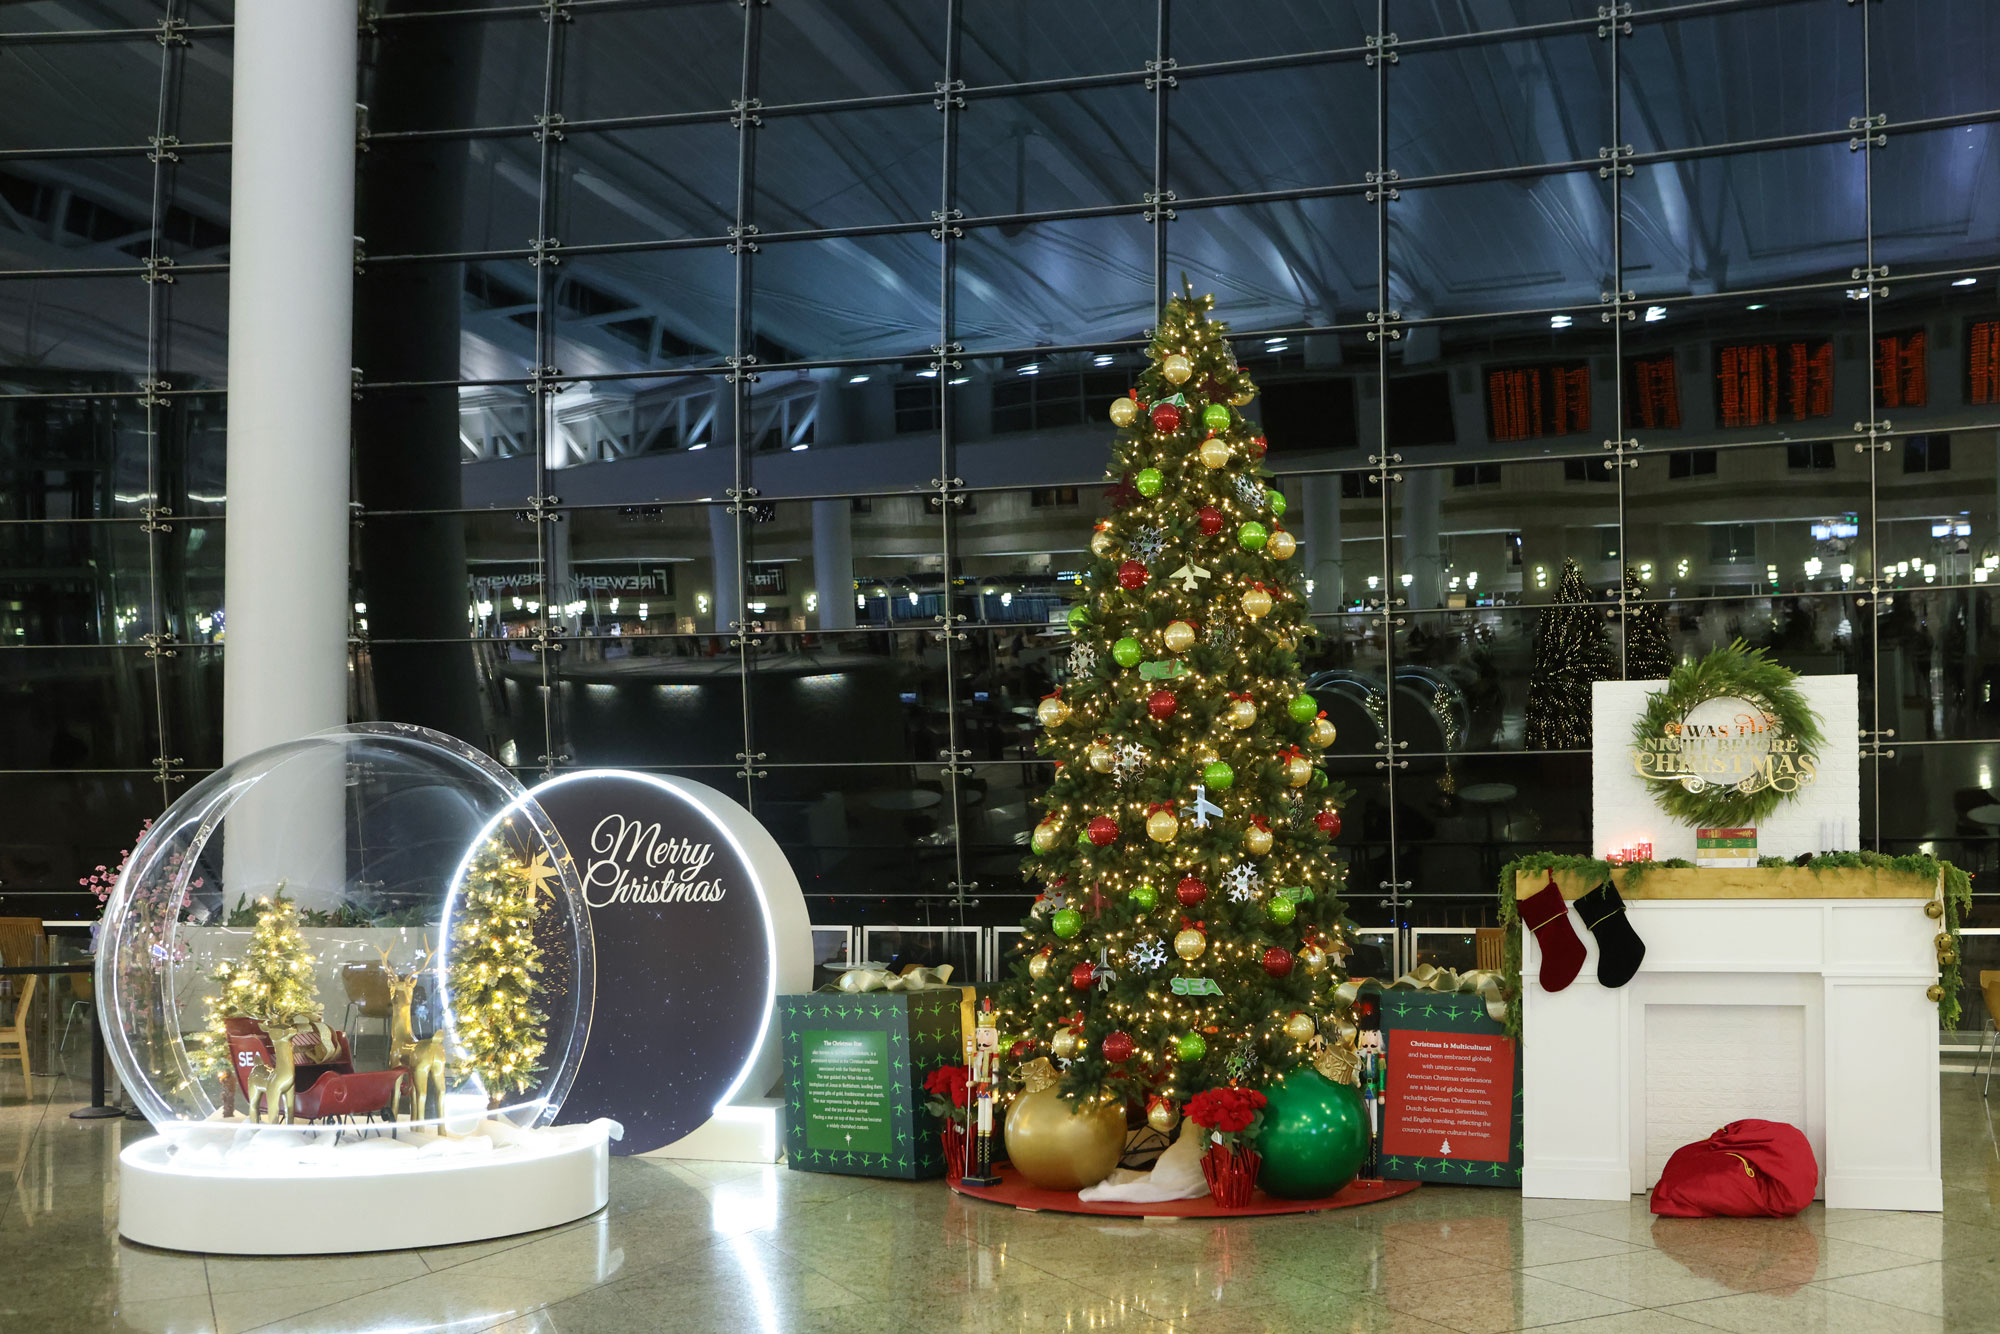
(1747, 1169)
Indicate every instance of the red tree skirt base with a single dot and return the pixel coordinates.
(1014, 1191)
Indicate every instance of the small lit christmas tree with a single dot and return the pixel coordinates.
(1649, 654)
(492, 969)
(1571, 651)
(275, 977)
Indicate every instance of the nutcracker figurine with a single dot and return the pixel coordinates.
(1374, 1078)
(978, 1167)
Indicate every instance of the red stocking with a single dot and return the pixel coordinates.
(1546, 913)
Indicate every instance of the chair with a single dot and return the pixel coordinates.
(1989, 987)
(367, 988)
(82, 996)
(1489, 948)
(15, 1036)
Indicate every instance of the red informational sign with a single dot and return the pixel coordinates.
(1652, 393)
(1901, 377)
(1451, 1096)
(1982, 362)
(1531, 402)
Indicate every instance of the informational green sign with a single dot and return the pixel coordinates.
(849, 1091)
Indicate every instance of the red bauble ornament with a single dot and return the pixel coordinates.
(1210, 520)
(1329, 823)
(1021, 1048)
(1118, 1047)
(1161, 704)
(1132, 576)
(1190, 891)
(1082, 976)
(1257, 446)
(1277, 962)
(1167, 418)
(1103, 829)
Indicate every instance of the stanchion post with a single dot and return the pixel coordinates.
(97, 1110)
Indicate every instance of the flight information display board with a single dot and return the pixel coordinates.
(1982, 362)
(1652, 393)
(1762, 384)
(1900, 371)
(1533, 402)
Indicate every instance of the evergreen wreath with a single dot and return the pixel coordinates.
(1734, 671)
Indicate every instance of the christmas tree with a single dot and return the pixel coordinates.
(273, 979)
(1649, 656)
(1191, 895)
(492, 969)
(1571, 651)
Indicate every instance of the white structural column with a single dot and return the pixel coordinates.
(1319, 504)
(291, 292)
(833, 563)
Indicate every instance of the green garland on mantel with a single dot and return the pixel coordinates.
(1957, 901)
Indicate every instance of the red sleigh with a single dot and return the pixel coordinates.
(315, 1091)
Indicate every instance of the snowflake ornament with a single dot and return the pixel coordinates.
(1250, 491)
(1242, 1062)
(1127, 760)
(1082, 660)
(1149, 955)
(1149, 544)
(1241, 881)
(1221, 633)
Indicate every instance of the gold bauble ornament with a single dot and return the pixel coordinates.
(1123, 412)
(1060, 1143)
(1065, 1043)
(1162, 1117)
(1934, 994)
(1178, 636)
(1933, 909)
(1161, 826)
(1281, 545)
(1300, 1027)
(1176, 368)
(1321, 733)
(1102, 543)
(1044, 837)
(1256, 604)
(1256, 841)
(1100, 756)
(1298, 771)
(1038, 965)
(1240, 714)
(1052, 711)
(1246, 390)
(1214, 454)
(1190, 943)
(1313, 959)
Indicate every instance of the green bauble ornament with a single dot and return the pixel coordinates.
(1314, 1138)
(1126, 652)
(1143, 895)
(1303, 708)
(1253, 536)
(1282, 911)
(1276, 500)
(1066, 922)
(1148, 481)
(1318, 779)
(1215, 417)
(1218, 775)
(1083, 839)
(1190, 1047)
(1078, 618)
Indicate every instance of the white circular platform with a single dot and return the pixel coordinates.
(201, 1192)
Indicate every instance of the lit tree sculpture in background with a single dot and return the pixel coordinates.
(1649, 654)
(1571, 651)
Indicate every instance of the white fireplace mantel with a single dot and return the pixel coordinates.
(1816, 1003)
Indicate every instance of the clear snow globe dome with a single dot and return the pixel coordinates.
(373, 924)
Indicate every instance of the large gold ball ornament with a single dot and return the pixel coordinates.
(1062, 1144)
(1176, 368)
(1190, 943)
(1100, 756)
(1038, 965)
(1052, 711)
(1256, 604)
(1178, 636)
(1256, 841)
(1162, 1116)
(1298, 771)
(1102, 543)
(1281, 545)
(1313, 959)
(1321, 733)
(1240, 714)
(1300, 1027)
(1045, 836)
(1214, 454)
(1123, 412)
(1161, 826)
(1065, 1043)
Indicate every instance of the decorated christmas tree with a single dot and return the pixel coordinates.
(1188, 932)
(1649, 654)
(493, 967)
(274, 979)
(1571, 651)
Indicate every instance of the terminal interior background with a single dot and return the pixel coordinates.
(744, 419)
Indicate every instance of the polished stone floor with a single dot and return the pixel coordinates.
(692, 1246)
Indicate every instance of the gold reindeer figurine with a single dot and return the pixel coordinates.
(424, 1060)
(275, 1082)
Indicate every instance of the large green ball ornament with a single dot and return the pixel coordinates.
(1252, 536)
(1126, 652)
(1078, 618)
(1282, 911)
(1190, 1047)
(1276, 500)
(1303, 708)
(1218, 775)
(1215, 417)
(1314, 1138)
(1143, 895)
(1148, 481)
(1066, 922)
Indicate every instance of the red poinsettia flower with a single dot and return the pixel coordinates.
(1230, 1114)
(949, 1087)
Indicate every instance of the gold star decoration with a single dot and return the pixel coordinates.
(539, 873)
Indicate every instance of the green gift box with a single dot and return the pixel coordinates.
(855, 1067)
